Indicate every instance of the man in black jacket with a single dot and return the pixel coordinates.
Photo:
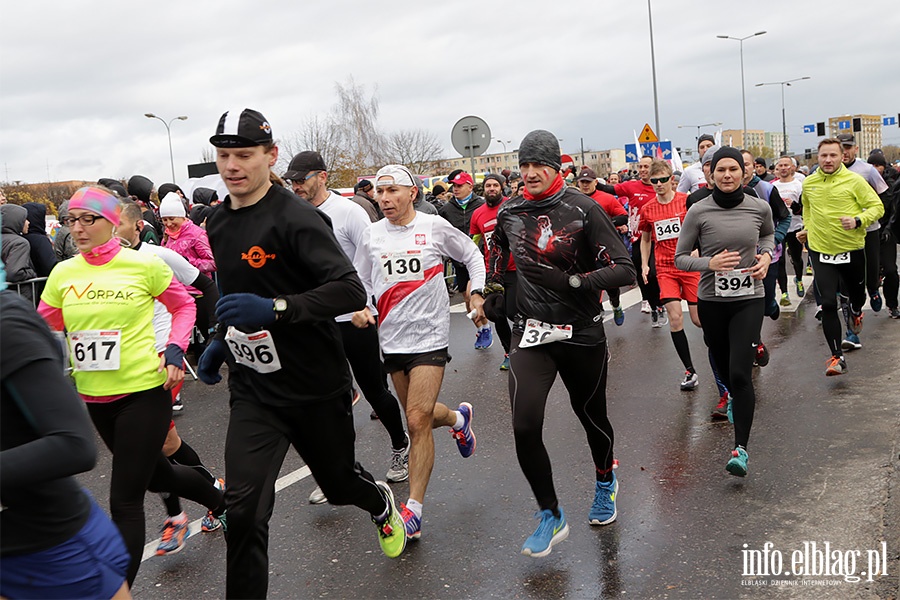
(458, 212)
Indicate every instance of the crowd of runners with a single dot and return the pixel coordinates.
(312, 300)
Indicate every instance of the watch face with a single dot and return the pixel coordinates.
(575, 281)
(280, 304)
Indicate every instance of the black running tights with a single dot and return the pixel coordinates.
(134, 429)
(583, 370)
(730, 329)
(830, 279)
(364, 355)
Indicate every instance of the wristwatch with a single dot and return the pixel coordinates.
(280, 306)
(479, 291)
(574, 281)
(858, 222)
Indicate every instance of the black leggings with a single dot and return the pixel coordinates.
(364, 354)
(649, 290)
(873, 261)
(510, 285)
(889, 270)
(255, 445)
(795, 252)
(730, 329)
(583, 370)
(830, 279)
(134, 429)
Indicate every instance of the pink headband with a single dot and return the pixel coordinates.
(97, 201)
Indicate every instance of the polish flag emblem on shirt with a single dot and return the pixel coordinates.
(420, 239)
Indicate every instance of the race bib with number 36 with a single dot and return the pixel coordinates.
(730, 284)
(402, 266)
(537, 333)
(835, 259)
(667, 229)
(254, 350)
(95, 349)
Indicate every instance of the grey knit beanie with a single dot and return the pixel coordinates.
(540, 147)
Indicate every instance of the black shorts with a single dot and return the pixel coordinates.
(406, 362)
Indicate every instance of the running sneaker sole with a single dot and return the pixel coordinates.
(560, 536)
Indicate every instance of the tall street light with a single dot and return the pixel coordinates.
(783, 121)
(169, 134)
(502, 142)
(653, 70)
(743, 95)
(698, 127)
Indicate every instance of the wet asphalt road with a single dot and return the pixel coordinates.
(823, 467)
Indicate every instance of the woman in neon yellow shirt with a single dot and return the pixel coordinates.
(103, 298)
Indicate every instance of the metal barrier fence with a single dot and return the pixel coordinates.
(35, 286)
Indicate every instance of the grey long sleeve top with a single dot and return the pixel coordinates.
(747, 228)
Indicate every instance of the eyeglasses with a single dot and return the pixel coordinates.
(85, 220)
(656, 180)
(304, 180)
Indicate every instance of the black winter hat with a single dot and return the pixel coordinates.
(116, 186)
(706, 137)
(140, 187)
(727, 152)
(541, 147)
(498, 178)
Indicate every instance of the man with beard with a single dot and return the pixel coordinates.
(484, 219)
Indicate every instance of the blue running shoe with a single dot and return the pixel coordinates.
(465, 437)
(851, 342)
(875, 302)
(210, 523)
(603, 510)
(484, 339)
(737, 466)
(174, 533)
(618, 315)
(551, 531)
(504, 366)
(412, 523)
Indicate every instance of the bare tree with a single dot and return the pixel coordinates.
(316, 133)
(356, 115)
(418, 149)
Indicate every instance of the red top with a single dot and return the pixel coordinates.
(663, 222)
(638, 194)
(609, 203)
(484, 219)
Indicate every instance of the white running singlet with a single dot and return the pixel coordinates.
(404, 266)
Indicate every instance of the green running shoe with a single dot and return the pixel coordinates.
(737, 466)
(391, 531)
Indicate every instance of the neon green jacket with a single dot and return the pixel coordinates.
(827, 198)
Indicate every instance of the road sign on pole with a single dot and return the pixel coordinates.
(631, 153)
(809, 128)
(647, 134)
(661, 150)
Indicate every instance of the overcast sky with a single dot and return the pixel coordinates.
(77, 77)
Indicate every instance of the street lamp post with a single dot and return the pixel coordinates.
(169, 135)
(743, 94)
(783, 120)
(698, 128)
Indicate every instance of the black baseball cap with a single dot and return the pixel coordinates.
(303, 163)
(242, 129)
(846, 139)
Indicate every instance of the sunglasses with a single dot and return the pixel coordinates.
(83, 219)
(656, 180)
(304, 180)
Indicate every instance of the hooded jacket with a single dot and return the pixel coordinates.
(203, 198)
(458, 216)
(192, 243)
(63, 245)
(42, 256)
(16, 252)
